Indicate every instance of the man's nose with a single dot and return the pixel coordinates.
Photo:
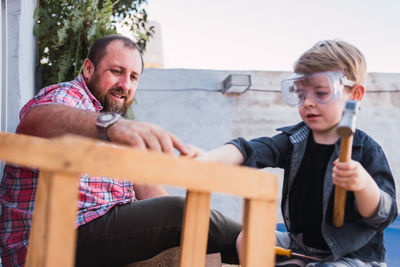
(125, 82)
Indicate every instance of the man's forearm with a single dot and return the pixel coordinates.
(144, 191)
(54, 120)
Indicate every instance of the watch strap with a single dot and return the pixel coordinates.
(105, 120)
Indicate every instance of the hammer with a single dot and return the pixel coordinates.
(345, 130)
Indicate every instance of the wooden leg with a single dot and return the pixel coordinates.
(195, 229)
(36, 247)
(53, 231)
(258, 247)
(62, 209)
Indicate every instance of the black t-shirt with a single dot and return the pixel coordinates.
(305, 197)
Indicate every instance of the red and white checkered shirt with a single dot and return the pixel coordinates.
(97, 195)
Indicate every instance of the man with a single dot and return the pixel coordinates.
(113, 228)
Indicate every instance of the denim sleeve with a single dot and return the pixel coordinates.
(375, 163)
(264, 151)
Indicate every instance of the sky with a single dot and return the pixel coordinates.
(272, 34)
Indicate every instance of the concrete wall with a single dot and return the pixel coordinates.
(21, 58)
(3, 65)
(3, 71)
(190, 104)
(18, 55)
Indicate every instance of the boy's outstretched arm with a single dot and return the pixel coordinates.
(228, 154)
(352, 176)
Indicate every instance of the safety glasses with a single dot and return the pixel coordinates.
(323, 87)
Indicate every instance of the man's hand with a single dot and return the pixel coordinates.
(146, 136)
(55, 120)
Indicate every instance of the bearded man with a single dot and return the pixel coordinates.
(118, 222)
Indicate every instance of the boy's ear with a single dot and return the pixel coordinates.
(357, 92)
(88, 69)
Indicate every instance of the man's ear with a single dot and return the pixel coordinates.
(88, 69)
(357, 92)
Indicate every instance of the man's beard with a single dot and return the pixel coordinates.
(107, 101)
(110, 105)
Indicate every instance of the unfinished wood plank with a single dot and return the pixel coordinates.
(259, 233)
(37, 236)
(62, 210)
(91, 156)
(245, 246)
(195, 229)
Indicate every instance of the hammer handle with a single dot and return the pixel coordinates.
(340, 193)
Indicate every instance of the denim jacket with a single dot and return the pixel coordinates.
(359, 237)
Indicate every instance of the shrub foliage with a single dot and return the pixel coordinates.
(65, 30)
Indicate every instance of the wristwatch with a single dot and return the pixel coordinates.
(105, 120)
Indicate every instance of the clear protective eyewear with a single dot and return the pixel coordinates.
(323, 87)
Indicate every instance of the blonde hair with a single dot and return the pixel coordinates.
(331, 55)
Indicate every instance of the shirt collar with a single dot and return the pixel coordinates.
(299, 133)
(82, 83)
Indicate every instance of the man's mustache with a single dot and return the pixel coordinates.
(119, 91)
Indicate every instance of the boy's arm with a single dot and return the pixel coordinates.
(228, 154)
(352, 176)
(367, 200)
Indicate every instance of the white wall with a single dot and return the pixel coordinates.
(3, 65)
(3, 71)
(190, 104)
(18, 55)
(21, 58)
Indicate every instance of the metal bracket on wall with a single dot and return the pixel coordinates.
(236, 83)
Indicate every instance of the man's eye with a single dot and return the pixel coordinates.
(116, 71)
(133, 78)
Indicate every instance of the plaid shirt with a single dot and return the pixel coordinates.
(97, 195)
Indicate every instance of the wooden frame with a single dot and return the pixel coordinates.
(61, 160)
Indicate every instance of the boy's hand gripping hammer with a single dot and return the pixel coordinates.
(345, 130)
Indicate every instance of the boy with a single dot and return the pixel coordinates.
(325, 77)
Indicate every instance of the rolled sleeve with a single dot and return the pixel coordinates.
(246, 150)
(264, 151)
(385, 214)
(376, 164)
(65, 94)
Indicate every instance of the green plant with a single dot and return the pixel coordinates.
(66, 29)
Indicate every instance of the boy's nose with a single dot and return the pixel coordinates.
(308, 100)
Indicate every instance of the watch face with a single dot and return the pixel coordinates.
(106, 117)
(105, 120)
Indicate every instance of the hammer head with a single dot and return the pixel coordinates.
(347, 125)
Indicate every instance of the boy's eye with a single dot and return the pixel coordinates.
(321, 93)
(299, 92)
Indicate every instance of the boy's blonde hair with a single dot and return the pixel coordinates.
(331, 55)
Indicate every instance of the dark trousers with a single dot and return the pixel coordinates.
(139, 230)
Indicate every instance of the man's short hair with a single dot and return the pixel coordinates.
(98, 49)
